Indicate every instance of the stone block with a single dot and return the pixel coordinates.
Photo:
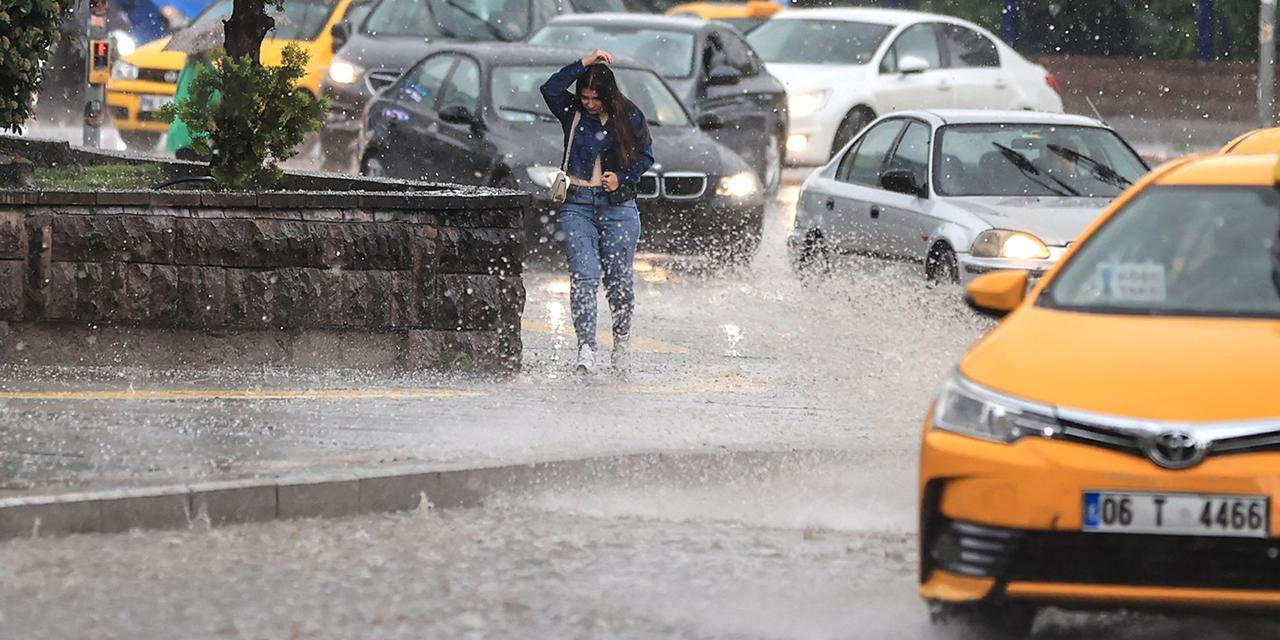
(223, 200)
(250, 298)
(465, 302)
(175, 199)
(19, 197)
(13, 275)
(124, 198)
(202, 297)
(99, 290)
(234, 502)
(298, 295)
(149, 295)
(396, 492)
(126, 509)
(59, 294)
(61, 515)
(13, 236)
(73, 198)
(328, 496)
(494, 218)
(401, 296)
(466, 250)
(116, 238)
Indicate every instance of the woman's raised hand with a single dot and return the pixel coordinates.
(599, 55)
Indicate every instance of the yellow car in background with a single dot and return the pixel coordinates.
(1256, 141)
(1115, 440)
(143, 82)
(743, 16)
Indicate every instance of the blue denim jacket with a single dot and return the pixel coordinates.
(594, 139)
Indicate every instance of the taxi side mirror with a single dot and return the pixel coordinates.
(997, 293)
(341, 32)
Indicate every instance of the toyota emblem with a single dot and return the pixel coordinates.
(1176, 450)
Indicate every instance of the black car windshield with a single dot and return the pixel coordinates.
(300, 20)
(462, 19)
(1206, 251)
(1032, 160)
(817, 41)
(599, 6)
(670, 53)
(516, 97)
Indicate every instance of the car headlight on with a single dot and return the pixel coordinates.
(343, 72)
(738, 185)
(125, 44)
(121, 70)
(966, 408)
(807, 103)
(1002, 243)
(541, 175)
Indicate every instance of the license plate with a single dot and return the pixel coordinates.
(154, 103)
(1239, 516)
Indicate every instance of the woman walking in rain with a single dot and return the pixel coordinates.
(607, 148)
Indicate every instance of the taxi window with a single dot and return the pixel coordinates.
(1204, 251)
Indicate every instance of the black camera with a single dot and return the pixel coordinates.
(621, 195)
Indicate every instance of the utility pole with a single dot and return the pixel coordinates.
(1266, 62)
(98, 71)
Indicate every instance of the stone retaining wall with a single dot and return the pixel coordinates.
(414, 280)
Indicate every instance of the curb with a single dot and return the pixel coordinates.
(375, 489)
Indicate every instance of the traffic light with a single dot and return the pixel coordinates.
(99, 61)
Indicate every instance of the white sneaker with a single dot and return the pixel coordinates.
(586, 359)
(621, 357)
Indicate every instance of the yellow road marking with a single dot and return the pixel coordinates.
(604, 338)
(239, 394)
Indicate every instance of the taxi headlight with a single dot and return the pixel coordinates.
(738, 185)
(965, 408)
(343, 72)
(541, 175)
(125, 44)
(1002, 243)
(121, 70)
(805, 104)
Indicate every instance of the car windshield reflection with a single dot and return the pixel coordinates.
(670, 53)
(817, 41)
(516, 97)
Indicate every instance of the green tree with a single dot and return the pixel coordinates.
(28, 28)
(248, 118)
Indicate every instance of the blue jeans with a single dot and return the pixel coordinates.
(599, 238)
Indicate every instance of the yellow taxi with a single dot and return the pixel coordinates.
(1115, 440)
(744, 16)
(1256, 141)
(143, 82)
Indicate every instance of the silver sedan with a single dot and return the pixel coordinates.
(963, 192)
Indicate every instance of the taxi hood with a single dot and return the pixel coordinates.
(1055, 220)
(1147, 367)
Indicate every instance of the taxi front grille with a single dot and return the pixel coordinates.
(1145, 560)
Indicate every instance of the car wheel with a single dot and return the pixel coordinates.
(771, 171)
(856, 119)
(990, 621)
(373, 168)
(941, 265)
(811, 256)
(140, 140)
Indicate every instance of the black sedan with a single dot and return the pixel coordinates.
(717, 75)
(371, 53)
(473, 114)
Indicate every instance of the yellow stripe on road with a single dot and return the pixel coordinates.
(241, 394)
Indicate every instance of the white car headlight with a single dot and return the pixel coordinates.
(125, 44)
(541, 175)
(966, 408)
(738, 185)
(121, 70)
(1002, 243)
(343, 72)
(807, 103)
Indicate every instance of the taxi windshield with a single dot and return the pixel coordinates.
(1174, 250)
(506, 20)
(1009, 159)
(300, 19)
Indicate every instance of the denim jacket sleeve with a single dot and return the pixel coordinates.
(556, 92)
(644, 150)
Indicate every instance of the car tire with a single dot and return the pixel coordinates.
(988, 620)
(853, 122)
(811, 256)
(770, 171)
(941, 265)
(140, 140)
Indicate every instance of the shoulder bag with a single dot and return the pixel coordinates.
(559, 189)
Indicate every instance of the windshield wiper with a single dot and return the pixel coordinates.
(488, 26)
(1033, 173)
(531, 112)
(1101, 171)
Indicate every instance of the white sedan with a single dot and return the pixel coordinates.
(963, 191)
(844, 67)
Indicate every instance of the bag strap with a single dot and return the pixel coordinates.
(577, 116)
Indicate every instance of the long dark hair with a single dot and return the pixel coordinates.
(600, 78)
